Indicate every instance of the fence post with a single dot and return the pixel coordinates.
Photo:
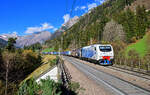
(131, 64)
(124, 64)
(115, 61)
(139, 64)
(120, 61)
(147, 66)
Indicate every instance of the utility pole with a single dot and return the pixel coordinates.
(91, 41)
(61, 43)
(98, 35)
(59, 50)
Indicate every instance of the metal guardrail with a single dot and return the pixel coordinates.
(64, 72)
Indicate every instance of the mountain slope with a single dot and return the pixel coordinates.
(65, 26)
(27, 40)
(2, 43)
(6, 36)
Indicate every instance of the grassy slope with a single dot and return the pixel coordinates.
(140, 46)
(42, 68)
(48, 50)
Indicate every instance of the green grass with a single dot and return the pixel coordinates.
(140, 47)
(48, 50)
(46, 59)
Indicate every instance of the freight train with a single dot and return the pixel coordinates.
(99, 53)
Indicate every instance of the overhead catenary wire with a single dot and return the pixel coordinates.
(72, 8)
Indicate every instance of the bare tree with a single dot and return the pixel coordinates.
(113, 32)
(7, 64)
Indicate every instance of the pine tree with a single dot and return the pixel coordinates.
(141, 21)
(10, 46)
(127, 19)
(0, 56)
(130, 24)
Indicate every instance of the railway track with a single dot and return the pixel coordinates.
(113, 84)
(138, 74)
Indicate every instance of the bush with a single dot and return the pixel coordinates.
(29, 87)
(47, 87)
(133, 39)
(118, 47)
(32, 60)
(146, 62)
(134, 58)
(74, 86)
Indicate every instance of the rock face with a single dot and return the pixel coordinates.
(71, 22)
(65, 26)
(27, 40)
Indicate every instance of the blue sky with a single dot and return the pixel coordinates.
(28, 16)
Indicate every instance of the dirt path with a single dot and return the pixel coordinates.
(91, 88)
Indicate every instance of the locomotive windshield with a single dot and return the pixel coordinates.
(105, 48)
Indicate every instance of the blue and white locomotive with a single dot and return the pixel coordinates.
(103, 54)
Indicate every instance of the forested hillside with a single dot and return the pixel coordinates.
(110, 22)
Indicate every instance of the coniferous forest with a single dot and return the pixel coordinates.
(93, 27)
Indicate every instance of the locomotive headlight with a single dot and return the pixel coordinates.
(111, 57)
(100, 57)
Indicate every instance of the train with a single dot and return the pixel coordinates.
(102, 54)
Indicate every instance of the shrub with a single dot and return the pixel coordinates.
(118, 46)
(74, 86)
(134, 58)
(146, 62)
(47, 87)
(133, 39)
(29, 87)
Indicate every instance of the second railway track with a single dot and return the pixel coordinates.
(131, 72)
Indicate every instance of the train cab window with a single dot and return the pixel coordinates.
(105, 48)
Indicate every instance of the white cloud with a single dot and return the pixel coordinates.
(46, 26)
(93, 5)
(66, 18)
(43, 27)
(83, 7)
(80, 8)
(100, 1)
